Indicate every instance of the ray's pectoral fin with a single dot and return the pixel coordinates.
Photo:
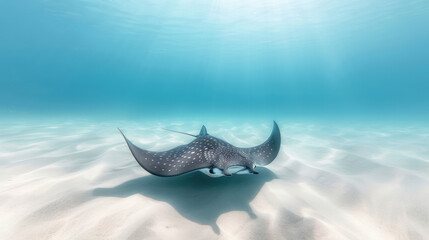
(169, 163)
(265, 153)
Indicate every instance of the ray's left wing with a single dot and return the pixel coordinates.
(176, 161)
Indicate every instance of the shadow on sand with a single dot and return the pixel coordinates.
(199, 198)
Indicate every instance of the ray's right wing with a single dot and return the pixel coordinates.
(265, 153)
(176, 161)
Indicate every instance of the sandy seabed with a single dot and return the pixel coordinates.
(78, 180)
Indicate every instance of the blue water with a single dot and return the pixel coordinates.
(347, 81)
(220, 58)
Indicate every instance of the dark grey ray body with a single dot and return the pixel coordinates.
(207, 152)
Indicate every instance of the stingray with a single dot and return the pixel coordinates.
(208, 154)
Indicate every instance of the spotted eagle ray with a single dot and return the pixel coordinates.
(208, 154)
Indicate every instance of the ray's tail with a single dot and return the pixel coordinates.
(180, 132)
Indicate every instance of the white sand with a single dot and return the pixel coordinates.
(78, 180)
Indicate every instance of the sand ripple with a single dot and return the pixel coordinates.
(77, 180)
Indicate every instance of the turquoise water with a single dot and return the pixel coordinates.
(346, 81)
(274, 58)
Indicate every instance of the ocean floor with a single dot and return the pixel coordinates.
(78, 180)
